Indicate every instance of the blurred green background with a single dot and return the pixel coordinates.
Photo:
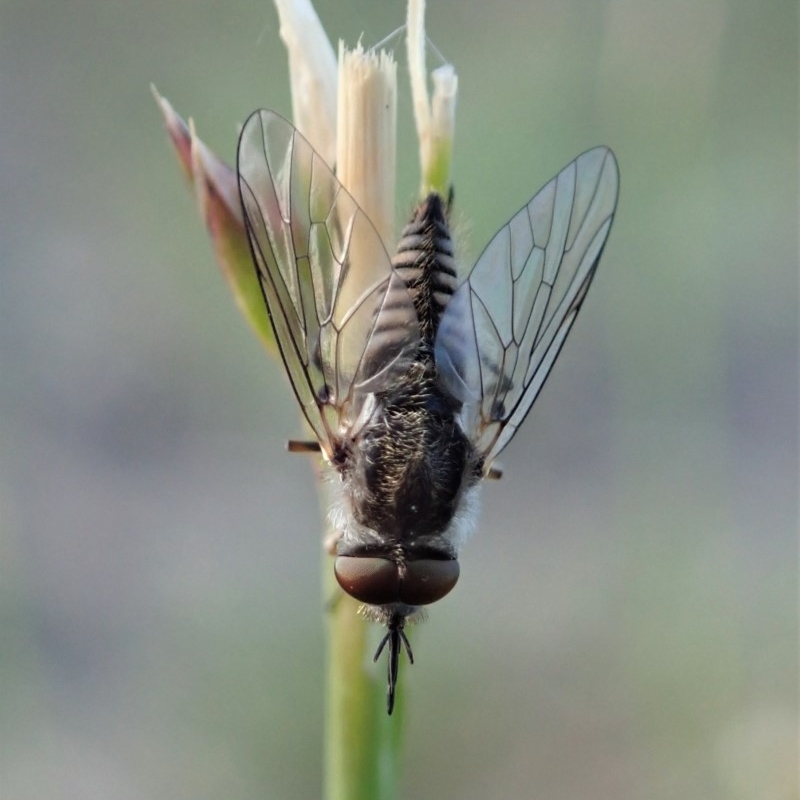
(626, 622)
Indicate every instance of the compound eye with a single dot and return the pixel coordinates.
(375, 581)
(428, 580)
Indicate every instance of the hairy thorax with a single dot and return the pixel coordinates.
(411, 464)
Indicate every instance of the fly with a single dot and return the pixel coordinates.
(412, 378)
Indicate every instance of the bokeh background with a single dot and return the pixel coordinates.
(626, 622)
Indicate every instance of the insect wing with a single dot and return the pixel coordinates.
(327, 280)
(505, 325)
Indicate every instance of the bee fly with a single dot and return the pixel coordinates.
(412, 380)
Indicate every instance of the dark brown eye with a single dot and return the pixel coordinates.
(371, 580)
(379, 581)
(428, 580)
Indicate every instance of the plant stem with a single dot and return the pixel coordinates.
(362, 742)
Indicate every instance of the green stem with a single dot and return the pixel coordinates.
(362, 742)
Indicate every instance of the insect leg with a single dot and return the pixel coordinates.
(298, 446)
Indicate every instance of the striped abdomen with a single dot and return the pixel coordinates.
(425, 262)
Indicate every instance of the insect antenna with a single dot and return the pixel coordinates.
(396, 638)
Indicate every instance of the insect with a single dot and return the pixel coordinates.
(412, 379)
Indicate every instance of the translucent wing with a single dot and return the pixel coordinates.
(344, 321)
(504, 327)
